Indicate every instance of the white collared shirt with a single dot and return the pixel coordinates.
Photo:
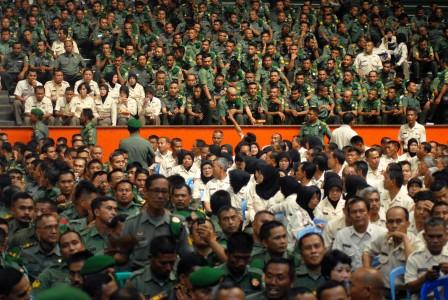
(326, 211)
(45, 105)
(342, 135)
(417, 132)
(353, 243)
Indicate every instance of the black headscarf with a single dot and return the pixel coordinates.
(270, 185)
(238, 179)
(410, 141)
(251, 164)
(304, 198)
(354, 183)
(203, 178)
(289, 185)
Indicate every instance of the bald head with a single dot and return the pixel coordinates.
(367, 283)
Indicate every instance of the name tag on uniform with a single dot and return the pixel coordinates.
(346, 245)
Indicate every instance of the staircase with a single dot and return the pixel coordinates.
(6, 112)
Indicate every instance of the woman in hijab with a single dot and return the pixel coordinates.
(266, 190)
(239, 180)
(331, 207)
(185, 167)
(411, 156)
(199, 183)
(105, 106)
(295, 217)
(308, 199)
(354, 184)
(284, 163)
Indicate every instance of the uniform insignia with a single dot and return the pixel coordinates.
(36, 284)
(255, 283)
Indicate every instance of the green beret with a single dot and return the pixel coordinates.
(206, 277)
(97, 264)
(134, 123)
(37, 112)
(65, 292)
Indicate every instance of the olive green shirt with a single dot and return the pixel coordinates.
(147, 284)
(88, 133)
(318, 128)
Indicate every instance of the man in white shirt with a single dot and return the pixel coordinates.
(55, 89)
(342, 135)
(151, 108)
(395, 195)
(352, 240)
(367, 61)
(164, 160)
(39, 101)
(374, 173)
(411, 129)
(58, 45)
(65, 109)
(390, 154)
(87, 77)
(220, 181)
(24, 89)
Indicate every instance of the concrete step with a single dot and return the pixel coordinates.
(6, 123)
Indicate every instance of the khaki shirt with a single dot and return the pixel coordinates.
(326, 211)
(417, 132)
(25, 89)
(354, 243)
(389, 255)
(331, 229)
(401, 199)
(215, 185)
(165, 162)
(55, 92)
(45, 105)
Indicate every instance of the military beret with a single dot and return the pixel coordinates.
(206, 277)
(97, 264)
(37, 112)
(134, 123)
(65, 292)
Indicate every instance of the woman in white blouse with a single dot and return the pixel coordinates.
(239, 188)
(265, 192)
(84, 100)
(136, 90)
(113, 85)
(332, 206)
(105, 107)
(126, 106)
(185, 167)
(205, 176)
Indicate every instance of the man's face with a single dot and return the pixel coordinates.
(396, 220)
(411, 116)
(123, 193)
(259, 221)
(422, 211)
(375, 203)
(277, 242)
(237, 262)
(163, 265)
(312, 250)
(70, 244)
(101, 183)
(230, 221)
(23, 210)
(442, 194)
(435, 238)
(94, 167)
(106, 212)
(74, 273)
(158, 194)
(359, 214)
(118, 162)
(181, 198)
(373, 160)
(68, 46)
(48, 230)
(277, 281)
(163, 145)
(79, 166)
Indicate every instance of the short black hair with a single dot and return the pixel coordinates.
(240, 242)
(331, 259)
(283, 261)
(218, 200)
(163, 244)
(300, 241)
(328, 285)
(97, 202)
(355, 200)
(265, 230)
(9, 278)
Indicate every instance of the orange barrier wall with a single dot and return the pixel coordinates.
(109, 137)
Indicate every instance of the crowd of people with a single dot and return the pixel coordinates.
(251, 62)
(294, 219)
